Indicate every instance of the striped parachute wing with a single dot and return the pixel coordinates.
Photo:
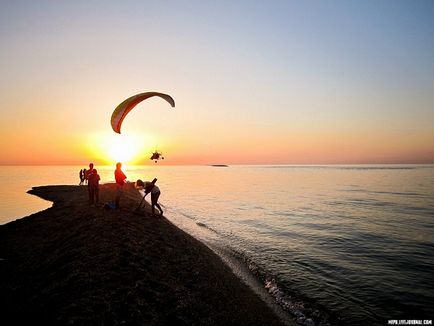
(126, 106)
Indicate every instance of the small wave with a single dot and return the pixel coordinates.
(305, 311)
(409, 193)
(203, 225)
(385, 205)
(350, 167)
(191, 217)
(393, 193)
(249, 208)
(361, 168)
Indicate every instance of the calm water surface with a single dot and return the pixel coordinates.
(356, 242)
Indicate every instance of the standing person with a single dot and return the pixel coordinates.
(84, 176)
(81, 174)
(87, 174)
(94, 187)
(120, 178)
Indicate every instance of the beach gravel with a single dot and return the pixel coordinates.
(75, 264)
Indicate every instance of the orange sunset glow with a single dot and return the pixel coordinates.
(242, 97)
(203, 162)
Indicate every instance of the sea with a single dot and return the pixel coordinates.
(332, 244)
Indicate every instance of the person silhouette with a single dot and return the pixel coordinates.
(87, 174)
(155, 194)
(150, 187)
(120, 178)
(84, 176)
(81, 174)
(94, 179)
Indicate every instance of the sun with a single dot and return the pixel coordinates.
(123, 149)
(129, 148)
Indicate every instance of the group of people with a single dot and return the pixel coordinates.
(92, 178)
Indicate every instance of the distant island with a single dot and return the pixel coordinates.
(219, 165)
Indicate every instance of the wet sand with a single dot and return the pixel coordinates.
(79, 265)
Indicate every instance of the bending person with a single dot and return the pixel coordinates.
(150, 187)
(155, 194)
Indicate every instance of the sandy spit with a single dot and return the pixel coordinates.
(78, 265)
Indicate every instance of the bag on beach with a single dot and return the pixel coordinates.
(110, 205)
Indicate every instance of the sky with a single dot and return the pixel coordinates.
(255, 82)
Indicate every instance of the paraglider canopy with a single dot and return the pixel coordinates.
(126, 106)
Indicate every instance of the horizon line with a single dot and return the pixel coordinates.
(228, 164)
